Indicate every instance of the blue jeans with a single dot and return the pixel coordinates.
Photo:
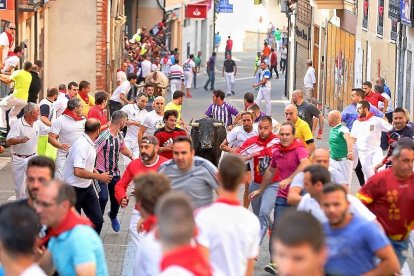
(263, 205)
(109, 189)
(211, 79)
(401, 250)
(280, 207)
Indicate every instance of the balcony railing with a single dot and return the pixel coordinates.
(28, 5)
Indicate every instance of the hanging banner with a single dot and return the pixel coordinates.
(406, 12)
(197, 11)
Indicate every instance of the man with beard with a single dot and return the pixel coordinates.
(371, 251)
(367, 133)
(235, 139)
(258, 150)
(108, 146)
(290, 158)
(150, 161)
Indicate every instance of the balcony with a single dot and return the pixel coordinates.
(28, 5)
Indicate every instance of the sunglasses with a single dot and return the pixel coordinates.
(12, 28)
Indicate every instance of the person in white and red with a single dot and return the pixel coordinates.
(176, 228)
(148, 189)
(189, 70)
(6, 41)
(22, 139)
(229, 47)
(121, 73)
(65, 130)
(146, 66)
(64, 96)
(231, 250)
(309, 80)
(119, 97)
(150, 161)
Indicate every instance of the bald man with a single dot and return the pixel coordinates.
(302, 129)
(341, 144)
(319, 157)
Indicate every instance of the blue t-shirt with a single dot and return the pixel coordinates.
(350, 114)
(75, 247)
(351, 250)
(217, 39)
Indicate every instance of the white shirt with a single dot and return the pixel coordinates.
(238, 135)
(61, 104)
(152, 122)
(68, 129)
(231, 233)
(123, 88)
(12, 61)
(368, 133)
(121, 76)
(166, 65)
(32, 270)
(176, 270)
(20, 129)
(134, 114)
(82, 154)
(4, 41)
(148, 256)
(188, 66)
(145, 67)
(390, 107)
(44, 129)
(310, 78)
(155, 67)
(356, 207)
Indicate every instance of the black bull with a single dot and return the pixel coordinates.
(207, 135)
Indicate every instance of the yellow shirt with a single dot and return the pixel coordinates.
(22, 80)
(303, 131)
(173, 106)
(86, 106)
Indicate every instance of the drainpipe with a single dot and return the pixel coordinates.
(402, 45)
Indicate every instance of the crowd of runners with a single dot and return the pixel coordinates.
(67, 152)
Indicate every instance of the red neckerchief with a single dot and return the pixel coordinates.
(366, 118)
(165, 60)
(295, 144)
(262, 142)
(71, 220)
(149, 223)
(84, 98)
(187, 257)
(71, 114)
(119, 70)
(233, 202)
(11, 40)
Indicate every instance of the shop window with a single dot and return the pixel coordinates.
(394, 30)
(365, 10)
(380, 22)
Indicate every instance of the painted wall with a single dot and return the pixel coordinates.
(72, 48)
(149, 13)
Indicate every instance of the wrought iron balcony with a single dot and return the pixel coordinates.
(28, 5)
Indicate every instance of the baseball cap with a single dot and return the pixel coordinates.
(149, 139)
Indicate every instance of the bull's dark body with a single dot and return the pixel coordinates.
(207, 139)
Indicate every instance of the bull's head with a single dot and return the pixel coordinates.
(205, 129)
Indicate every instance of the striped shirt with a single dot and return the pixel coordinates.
(222, 112)
(107, 152)
(176, 73)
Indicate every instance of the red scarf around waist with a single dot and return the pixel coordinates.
(187, 257)
(71, 220)
(71, 114)
(295, 144)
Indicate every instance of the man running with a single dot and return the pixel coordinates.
(264, 87)
(302, 129)
(229, 71)
(153, 120)
(221, 110)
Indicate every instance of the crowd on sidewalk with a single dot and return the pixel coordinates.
(187, 217)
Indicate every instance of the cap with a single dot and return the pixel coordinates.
(149, 139)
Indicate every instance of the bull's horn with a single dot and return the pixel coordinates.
(194, 124)
(218, 124)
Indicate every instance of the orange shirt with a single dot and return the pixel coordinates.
(266, 51)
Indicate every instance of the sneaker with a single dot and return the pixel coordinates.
(228, 94)
(205, 88)
(319, 135)
(3, 130)
(115, 224)
(232, 92)
(271, 269)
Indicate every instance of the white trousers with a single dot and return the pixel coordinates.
(134, 148)
(188, 79)
(344, 167)
(264, 93)
(19, 166)
(133, 231)
(15, 105)
(60, 163)
(368, 161)
(229, 81)
(174, 86)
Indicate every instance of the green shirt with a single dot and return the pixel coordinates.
(278, 35)
(197, 61)
(337, 142)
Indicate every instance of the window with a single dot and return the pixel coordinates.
(365, 9)
(394, 30)
(380, 22)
